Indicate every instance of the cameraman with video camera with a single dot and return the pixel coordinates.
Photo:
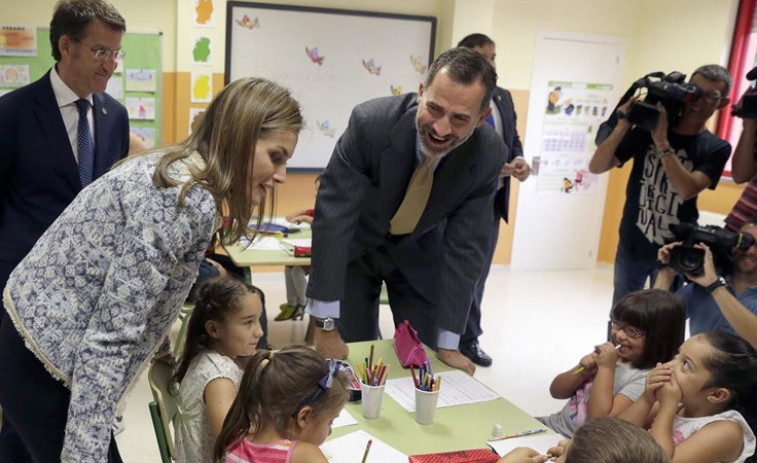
(721, 303)
(672, 164)
(744, 161)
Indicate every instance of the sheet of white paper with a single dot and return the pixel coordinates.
(539, 442)
(344, 419)
(351, 447)
(263, 243)
(285, 223)
(457, 388)
(303, 242)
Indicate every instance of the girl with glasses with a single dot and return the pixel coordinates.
(284, 409)
(647, 328)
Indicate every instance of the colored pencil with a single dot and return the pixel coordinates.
(367, 449)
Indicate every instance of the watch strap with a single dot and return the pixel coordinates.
(715, 285)
(326, 324)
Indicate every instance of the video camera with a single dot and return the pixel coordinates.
(688, 259)
(748, 108)
(671, 90)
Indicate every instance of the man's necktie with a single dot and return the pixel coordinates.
(85, 144)
(416, 197)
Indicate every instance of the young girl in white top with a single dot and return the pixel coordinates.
(647, 327)
(284, 410)
(701, 404)
(223, 329)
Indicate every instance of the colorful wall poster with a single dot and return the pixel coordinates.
(115, 87)
(202, 87)
(140, 108)
(140, 80)
(202, 51)
(147, 134)
(194, 117)
(14, 75)
(18, 41)
(204, 13)
(573, 113)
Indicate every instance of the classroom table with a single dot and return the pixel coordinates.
(455, 428)
(254, 257)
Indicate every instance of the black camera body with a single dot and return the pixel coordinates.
(671, 90)
(748, 108)
(688, 259)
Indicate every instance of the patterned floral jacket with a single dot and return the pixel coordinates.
(99, 291)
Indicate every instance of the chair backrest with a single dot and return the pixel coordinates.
(158, 377)
(184, 315)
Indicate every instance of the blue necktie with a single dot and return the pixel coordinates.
(85, 144)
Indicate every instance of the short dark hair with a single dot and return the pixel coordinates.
(716, 73)
(475, 41)
(72, 17)
(465, 66)
(612, 440)
(661, 315)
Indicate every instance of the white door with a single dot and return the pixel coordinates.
(575, 86)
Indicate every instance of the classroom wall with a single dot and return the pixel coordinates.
(662, 35)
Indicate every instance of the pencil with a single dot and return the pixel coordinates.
(367, 449)
(520, 434)
(580, 369)
(370, 357)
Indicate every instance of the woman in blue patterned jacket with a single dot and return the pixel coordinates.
(99, 292)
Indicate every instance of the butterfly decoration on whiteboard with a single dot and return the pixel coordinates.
(395, 90)
(247, 23)
(313, 54)
(372, 68)
(417, 64)
(324, 128)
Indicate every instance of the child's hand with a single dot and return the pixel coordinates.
(669, 394)
(558, 450)
(607, 355)
(658, 377)
(523, 455)
(589, 363)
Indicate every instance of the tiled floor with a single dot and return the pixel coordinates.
(537, 324)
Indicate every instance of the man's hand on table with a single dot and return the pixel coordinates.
(330, 344)
(456, 359)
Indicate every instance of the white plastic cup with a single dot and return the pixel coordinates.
(425, 406)
(371, 398)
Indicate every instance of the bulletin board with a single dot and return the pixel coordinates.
(137, 83)
(330, 59)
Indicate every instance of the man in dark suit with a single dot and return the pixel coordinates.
(503, 119)
(47, 152)
(430, 268)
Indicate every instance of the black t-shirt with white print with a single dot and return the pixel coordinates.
(652, 204)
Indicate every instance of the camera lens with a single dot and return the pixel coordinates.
(687, 260)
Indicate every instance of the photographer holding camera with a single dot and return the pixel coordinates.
(744, 162)
(671, 166)
(720, 303)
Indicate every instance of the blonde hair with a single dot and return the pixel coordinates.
(245, 111)
(612, 440)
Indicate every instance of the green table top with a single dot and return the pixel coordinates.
(252, 257)
(454, 428)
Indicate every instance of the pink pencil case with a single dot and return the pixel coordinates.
(409, 348)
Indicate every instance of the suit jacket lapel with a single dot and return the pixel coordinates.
(51, 127)
(398, 162)
(101, 118)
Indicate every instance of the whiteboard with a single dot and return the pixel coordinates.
(330, 59)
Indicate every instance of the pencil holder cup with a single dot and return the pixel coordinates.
(371, 400)
(425, 406)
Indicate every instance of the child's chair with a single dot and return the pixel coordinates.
(163, 410)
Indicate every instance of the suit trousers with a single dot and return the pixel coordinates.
(35, 405)
(473, 326)
(358, 320)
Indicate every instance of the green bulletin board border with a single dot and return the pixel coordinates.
(143, 51)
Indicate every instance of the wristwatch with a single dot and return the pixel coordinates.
(717, 284)
(326, 324)
(666, 152)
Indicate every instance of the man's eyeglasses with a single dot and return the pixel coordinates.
(631, 331)
(711, 97)
(102, 54)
